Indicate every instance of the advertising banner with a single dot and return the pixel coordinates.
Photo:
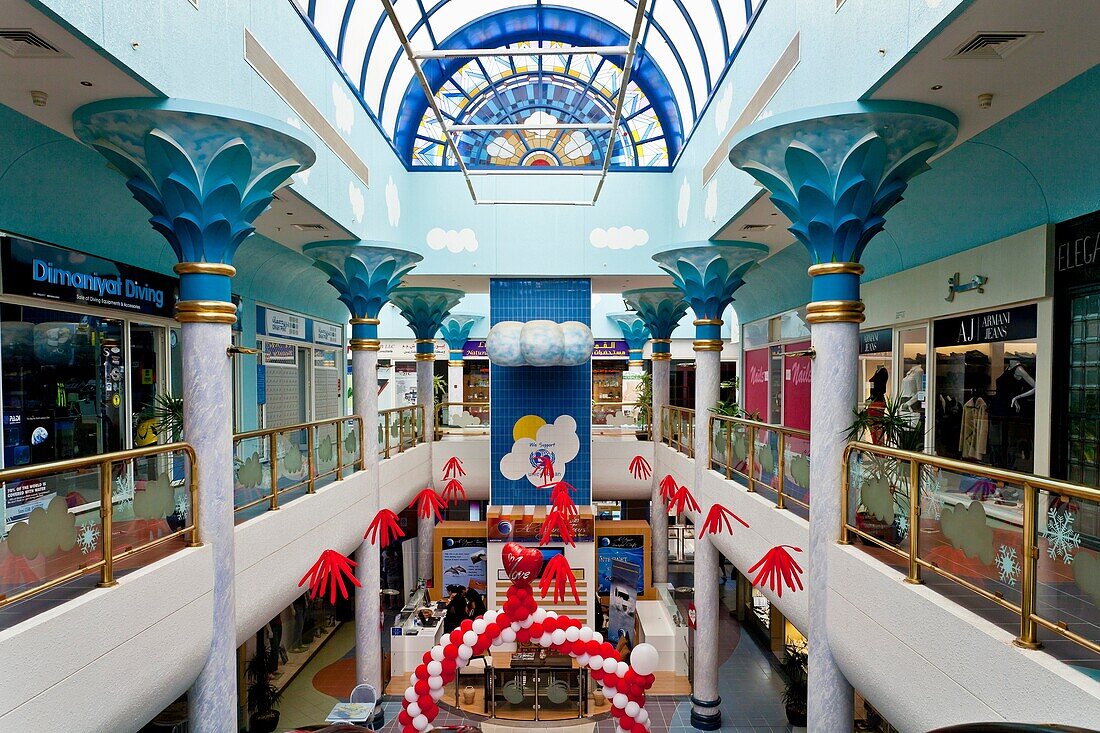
(23, 497)
(1005, 324)
(756, 382)
(623, 600)
(529, 529)
(629, 547)
(796, 388)
(464, 562)
(610, 349)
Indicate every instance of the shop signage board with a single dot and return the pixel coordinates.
(276, 353)
(529, 528)
(1004, 324)
(62, 275)
(285, 325)
(879, 341)
(1077, 251)
(610, 349)
(475, 350)
(327, 334)
(405, 350)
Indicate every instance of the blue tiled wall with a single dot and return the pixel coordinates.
(544, 391)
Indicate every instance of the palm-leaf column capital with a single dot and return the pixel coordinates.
(425, 310)
(635, 333)
(455, 330)
(205, 173)
(363, 274)
(661, 309)
(835, 171)
(708, 274)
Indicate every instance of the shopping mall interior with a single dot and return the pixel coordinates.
(583, 365)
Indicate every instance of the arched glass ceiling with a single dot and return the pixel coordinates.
(685, 47)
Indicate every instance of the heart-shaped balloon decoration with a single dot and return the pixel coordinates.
(521, 563)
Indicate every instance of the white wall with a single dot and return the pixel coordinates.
(473, 451)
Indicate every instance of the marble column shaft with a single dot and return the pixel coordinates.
(425, 528)
(368, 634)
(208, 427)
(706, 568)
(454, 389)
(658, 515)
(832, 398)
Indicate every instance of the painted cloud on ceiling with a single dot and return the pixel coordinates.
(452, 240)
(722, 108)
(710, 209)
(684, 203)
(541, 450)
(624, 237)
(358, 203)
(301, 177)
(393, 203)
(343, 108)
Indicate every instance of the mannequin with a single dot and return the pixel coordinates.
(1020, 373)
(878, 382)
(910, 388)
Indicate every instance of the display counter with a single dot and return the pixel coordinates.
(416, 630)
(662, 625)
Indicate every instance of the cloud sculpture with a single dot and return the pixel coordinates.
(684, 203)
(710, 209)
(452, 240)
(541, 450)
(539, 343)
(393, 203)
(343, 108)
(358, 202)
(624, 237)
(967, 530)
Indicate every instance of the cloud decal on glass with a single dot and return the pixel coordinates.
(343, 108)
(393, 203)
(358, 202)
(684, 203)
(577, 145)
(541, 458)
(452, 240)
(624, 237)
(500, 147)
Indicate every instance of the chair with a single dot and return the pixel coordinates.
(364, 694)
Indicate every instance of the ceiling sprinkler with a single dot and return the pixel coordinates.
(985, 101)
(38, 98)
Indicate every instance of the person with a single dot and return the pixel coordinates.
(456, 612)
(475, 604)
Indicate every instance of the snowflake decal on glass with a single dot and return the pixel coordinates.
(1007, 565)
(183, 506)
(902, 523)
(88, 538)
(930, 494)
(1061, 538)
(122, 493)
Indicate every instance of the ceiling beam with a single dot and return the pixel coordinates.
(531, 126)
(463, 53)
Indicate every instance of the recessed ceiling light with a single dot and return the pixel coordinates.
(937, 87)
(775, 213)
(290, 213)
(85, 84)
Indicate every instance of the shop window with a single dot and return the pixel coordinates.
(912, 388)
(1084, 390)
(876, 365)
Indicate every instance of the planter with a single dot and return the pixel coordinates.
(796, 715)
(265, 722)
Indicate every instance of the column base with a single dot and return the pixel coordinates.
(708, 719)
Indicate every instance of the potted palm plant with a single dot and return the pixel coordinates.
(793, 668)
(262, 696)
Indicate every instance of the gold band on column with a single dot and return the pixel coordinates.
(454, 363)
(204, 268)
(707, 322)
(835, 311)
(365, 345)
(638, 363)
(835, 268)
(206, 311)
(707, 344)
(426, 357)
(365, 321)
(660, 356)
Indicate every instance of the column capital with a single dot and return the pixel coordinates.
(455, 330)
(835, 171)
(635, 333)
(425, 310)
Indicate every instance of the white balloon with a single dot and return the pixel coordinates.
(551, 614)
(632, 709)
(420, 722)
(539, 616)
(491, 617)
(558, 637)
(414, 709)
(434, 669)
(642, 716)
(435, 683)
(609, 691)
(620, 700)
(479, 626)
(644, 658)
(526, 623)
(610, 665)
(507, 635)
(620, 669)
(437, 653)
(572, 633)
(585, 634)
(546, 639)
(464, 653)
(596, 662)
(410, 695)
(597, 637)
(469, 638)
(582, 660)
(436, 694)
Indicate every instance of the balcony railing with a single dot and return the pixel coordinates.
(1024, 543)
(105, 511)
(620, 418)
(773, 460)
(678, 429)
(400, 429)
(461, 418)
(275, 465)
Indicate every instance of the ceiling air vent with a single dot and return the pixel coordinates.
(991, 45)
(24, 43)
(756, 227)
(310, 227)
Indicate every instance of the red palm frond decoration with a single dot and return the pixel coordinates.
(556, 520)
(556, 575)
(328, 573)
(639, 468)
(684, 499)
(453, 468)
(559, 490)
(718, 518)
(384, 525)
(453, 490)
(668, 488)
(563, 502)
(778, 568)
(426, 502)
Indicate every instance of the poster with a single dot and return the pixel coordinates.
(404, 381)
(464, 562)
(756, 382)
(625, 577)
(629, 548)
(23, 497)
(796, 388)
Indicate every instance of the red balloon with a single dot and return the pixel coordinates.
(421, 687)
(421, 672)
(449, 667)
(430, 711)
(648, 680)
(404, 718)
(591, 648)
(449, 652)
(466, 625)
(640, 700)
(639, 728)
(456, 636)
(408, 729)
(535, 630)
(492, 631)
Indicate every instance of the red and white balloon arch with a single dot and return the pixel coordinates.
(521, 620)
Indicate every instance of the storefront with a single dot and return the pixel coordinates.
(475, 378)
(299, 371)
(776, 379)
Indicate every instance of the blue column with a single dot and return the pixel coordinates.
(425, 309)
(455, 331)
(635, 334)
(204, 173)
(834, 172)
(708, 275)
(661, 310)
(364, 275)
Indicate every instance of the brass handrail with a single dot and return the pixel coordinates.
(752, 429)
(1031, 486)
(386, 417)
(104, 462)
(312, 475)
(684, 419)
(442, 428)
(640, 428)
